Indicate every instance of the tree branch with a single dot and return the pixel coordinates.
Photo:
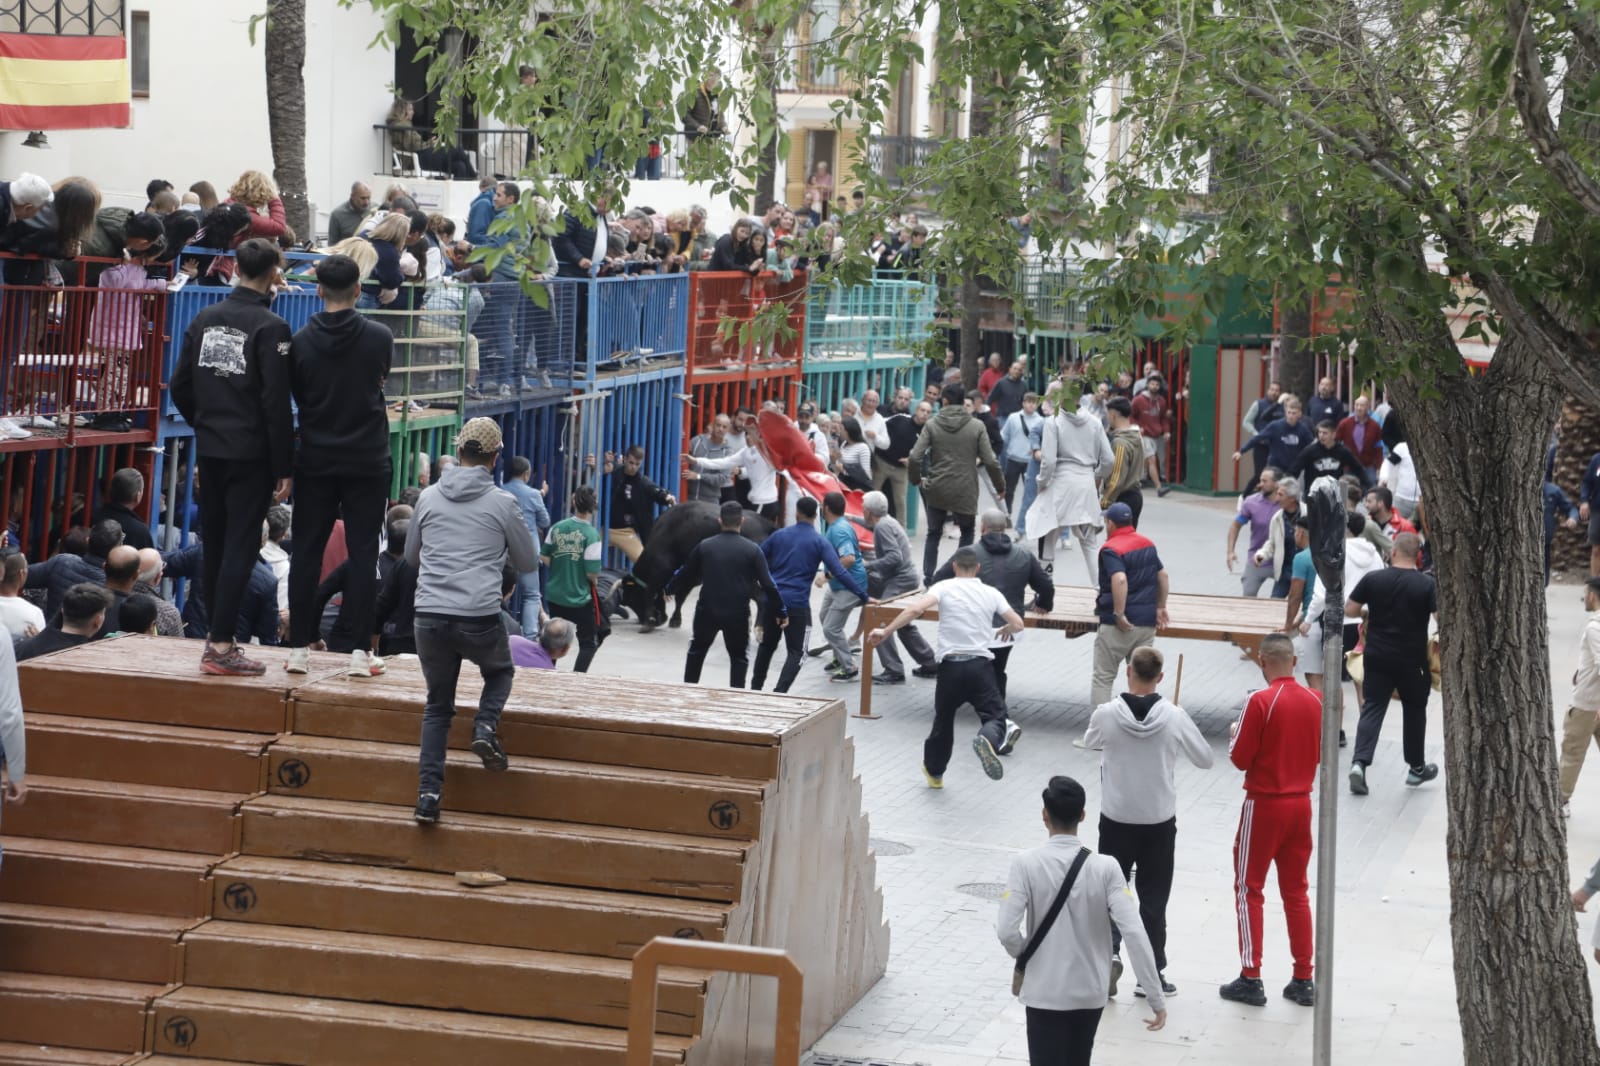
(1533, 105)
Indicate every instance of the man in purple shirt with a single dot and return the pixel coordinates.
(1255, 511)
(555, 640)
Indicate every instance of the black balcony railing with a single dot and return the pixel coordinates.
(414, 152)
(895, 159)
(62, 18)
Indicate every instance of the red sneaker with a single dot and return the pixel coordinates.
(230, 663)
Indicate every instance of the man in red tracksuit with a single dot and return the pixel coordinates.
(1278, 744)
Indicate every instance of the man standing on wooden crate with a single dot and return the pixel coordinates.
(232, 385)
(463, 532)
(338, 363)
(967, 609)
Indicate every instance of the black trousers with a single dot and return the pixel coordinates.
(233, 503)
(1001, 657)
(1061, 1037)
(1014, 472)
(319, 501)
(589, 635)
(794, 640)
(735, 632)
(963, 681)
(1150, 850)
(1135, 501)
(937, 517)
(1384, 678)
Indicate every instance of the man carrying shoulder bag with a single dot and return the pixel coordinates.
(1069, 899)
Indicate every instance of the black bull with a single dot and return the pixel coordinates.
(672, 538)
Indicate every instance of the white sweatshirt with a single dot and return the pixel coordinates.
(12, 739)
(1138, 757)
(1072, 968)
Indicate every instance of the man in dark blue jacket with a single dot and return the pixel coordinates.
(793, 554)
(580, 249)
(232, 385)
(1132, 603)
(481, 213)
(62, 571)
(1284, 438)
(1589, 510)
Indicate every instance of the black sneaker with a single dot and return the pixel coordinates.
(1168, 989)
(888, 679)
(988, 757)
(1419, 774)
(1301, 991)
(925, 671)
(486, 746)
(814, 652)
(1244, 990)
(846, 675)
(427, 812)
(1342, 741)
(1163, 490)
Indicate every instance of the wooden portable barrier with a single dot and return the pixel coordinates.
(225, 870)
(645, 1005)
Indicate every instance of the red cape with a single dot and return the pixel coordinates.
(787, 449)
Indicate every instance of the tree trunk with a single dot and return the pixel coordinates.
(286, 110)
(1522, 987)
(1297, 363)
(980, 123)
(767, 134)
(1580, 439)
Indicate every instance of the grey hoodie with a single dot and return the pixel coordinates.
(1073, 443)
(1138, 757)
(462, 532)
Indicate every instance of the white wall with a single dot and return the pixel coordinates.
(206, 115)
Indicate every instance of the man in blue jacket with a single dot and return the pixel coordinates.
(481, 213)
(1284, 439)
(519, 482)
(793, 554)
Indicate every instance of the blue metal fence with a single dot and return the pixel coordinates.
(630, 322)
(642, 410)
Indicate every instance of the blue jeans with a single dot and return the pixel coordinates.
(442, 645)
(1030, 492)
(532, 599)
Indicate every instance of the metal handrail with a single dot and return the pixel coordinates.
(727, 958)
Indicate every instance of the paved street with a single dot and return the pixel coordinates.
(942, 855)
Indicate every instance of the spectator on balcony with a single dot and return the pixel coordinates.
(20, 618)
(388, 237)
(757, 254)
(702, 241)
(345, 220)
(481, 213)
(23, 198)
(855, 458)
(680, 236)
(782, 259)
(206, 194)
(232, 385)
(255, 191)
(703, 119)
(221, 230)
(125, 495)
(119, 327)
(430, 153)
(57, 230)
(425, 247)
(820, 182)
(815, 209)
(732, 250)
(153, 188)
(453, 308)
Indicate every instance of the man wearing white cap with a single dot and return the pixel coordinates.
(462, 535)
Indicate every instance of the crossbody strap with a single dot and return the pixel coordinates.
(1049, 918)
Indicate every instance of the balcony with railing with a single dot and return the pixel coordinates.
(895, 159)
(415, 152)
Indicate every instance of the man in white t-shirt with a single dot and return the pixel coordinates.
(20, 618)
(967, 612)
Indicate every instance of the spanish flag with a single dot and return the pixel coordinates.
(63, 83)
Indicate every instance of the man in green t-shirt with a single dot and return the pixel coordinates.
(572, 551)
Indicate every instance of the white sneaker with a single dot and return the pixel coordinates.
(11, 431)
(299, 661)
(365, 664)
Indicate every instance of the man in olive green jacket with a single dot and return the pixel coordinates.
(944, 462)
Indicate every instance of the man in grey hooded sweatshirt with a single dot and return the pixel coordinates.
(1140, 736)
(462, 534)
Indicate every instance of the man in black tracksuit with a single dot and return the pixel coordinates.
(232, 386)
(1013, 572)
(337, 366)
(735, 565)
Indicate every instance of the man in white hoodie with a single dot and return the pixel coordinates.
(1140, 735)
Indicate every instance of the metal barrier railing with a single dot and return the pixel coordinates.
(722, 306)
(883, 317)
(726, 958)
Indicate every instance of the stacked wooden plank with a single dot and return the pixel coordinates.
(226, 870)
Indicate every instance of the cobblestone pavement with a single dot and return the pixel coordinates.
(946, 998)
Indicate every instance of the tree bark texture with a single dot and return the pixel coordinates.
(286, 110)
(766, 74)
(1580, 440)
(1521, 978)
(980, 123)
(1297, 362)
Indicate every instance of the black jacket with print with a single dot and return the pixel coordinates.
(232, 382)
